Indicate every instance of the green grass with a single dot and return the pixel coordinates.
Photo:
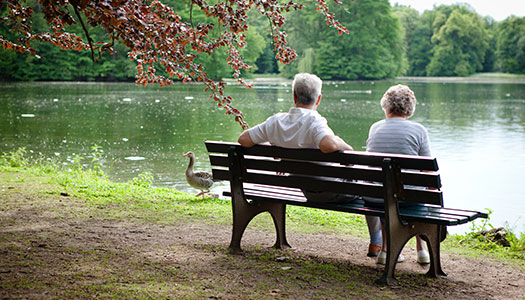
(57, 264)
(476, 244)
(139, 200)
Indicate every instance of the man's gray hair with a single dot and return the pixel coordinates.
(306, 88)
(399, 100)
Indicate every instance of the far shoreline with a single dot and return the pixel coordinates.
(277, 79)
(475, 78)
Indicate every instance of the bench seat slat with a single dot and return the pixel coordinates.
(371, 190)
(362, 189)
(297, 195)
(283, 193)
(453, 213)
(289, 197)
(344, 157)
(334, 170)
(357, 207)
(353, 188)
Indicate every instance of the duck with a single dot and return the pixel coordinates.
(199, 180)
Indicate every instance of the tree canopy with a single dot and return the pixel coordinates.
(511, 45)
(373, 49)
(152, 41)
(157, 36)
(456, 41)
(460, 43)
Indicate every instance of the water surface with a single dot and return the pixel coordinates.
(477, 129)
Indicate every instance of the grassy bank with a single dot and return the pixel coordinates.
(67, 232)
(139, 200)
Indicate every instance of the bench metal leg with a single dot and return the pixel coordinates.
(401, 234)
(397, 236)
(433, 237)
(244, 212)
(397, 233)
(388, 277)
(278, 213)
(242, 215)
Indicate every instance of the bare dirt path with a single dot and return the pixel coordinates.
(55, 248)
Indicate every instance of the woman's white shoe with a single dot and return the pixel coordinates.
(423, 257)
(381, 258)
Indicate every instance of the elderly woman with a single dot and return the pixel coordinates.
(396, 134)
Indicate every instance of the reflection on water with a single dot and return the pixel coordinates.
(477, 130)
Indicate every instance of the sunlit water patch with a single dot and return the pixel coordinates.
(134, 158)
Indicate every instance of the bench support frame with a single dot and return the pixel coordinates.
(395, 227)
(244, 212)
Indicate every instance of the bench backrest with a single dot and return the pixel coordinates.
(349, 172)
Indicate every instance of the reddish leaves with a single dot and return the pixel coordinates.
(330, 19)
(157, 36)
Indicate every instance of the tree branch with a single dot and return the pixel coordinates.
(90, 40)
(191, 13)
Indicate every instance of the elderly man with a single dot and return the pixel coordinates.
(301, 127)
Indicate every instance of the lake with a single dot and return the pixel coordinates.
(476, 127)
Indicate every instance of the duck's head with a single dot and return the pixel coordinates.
(190, 155)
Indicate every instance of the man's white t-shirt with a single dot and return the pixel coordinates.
(299, 128)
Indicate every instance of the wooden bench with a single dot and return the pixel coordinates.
(265, 178)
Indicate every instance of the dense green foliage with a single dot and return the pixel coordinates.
(511, 45)
(459, 43)
(456, 41)
(56, 64)
(384, 42)
(372, 50)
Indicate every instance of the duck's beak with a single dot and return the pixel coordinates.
(187, 154)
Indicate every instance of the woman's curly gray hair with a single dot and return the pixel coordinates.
(399, 100)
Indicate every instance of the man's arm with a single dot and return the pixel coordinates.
(245, 140)
(332, 143)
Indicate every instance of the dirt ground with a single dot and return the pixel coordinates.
(55, 248)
